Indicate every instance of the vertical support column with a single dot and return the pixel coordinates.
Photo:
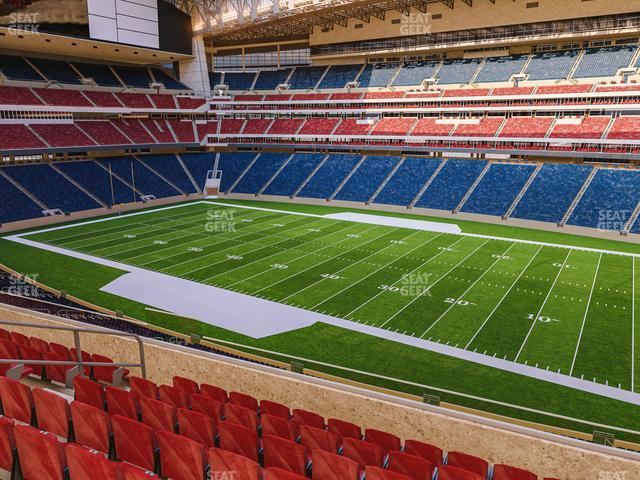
(194, 72)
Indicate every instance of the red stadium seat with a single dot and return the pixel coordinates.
(144, 387)
(446, 472)
(111, 375)
(52, 411)
(282, 453)
(197, 426)
(214, 392)
(315, 438)
(423, 450)
(158, 415)
(27, 352)
(5, 334)
(39, 344)
(56, 373)
(238, 439)
(187, 385)
(378, 473)
(275, 473)
(19, 338)
(86, 358)
(244, 400)
(91, 427)
(330, 466)
(506, 472)
(41, 455)
(414, 467)
(207, 406)
(121, 402)
(303, 417)
(364, 453)
(60, 350)
(7, 445)
(17, 400)
(222, 462)
(274, 408)
(89, 392)
(344, 429)
(180, 457)
(174, 396)
(131, 472)
(384, 440)
(468, 462)
(278, 426)
(8, 350)
(241, 415)
(134, 442)
(85, 464)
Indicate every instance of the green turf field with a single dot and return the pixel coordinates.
(562, 309)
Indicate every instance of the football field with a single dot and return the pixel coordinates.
(567, 310)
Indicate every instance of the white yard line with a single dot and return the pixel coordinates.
(584, 319)
(544, 303)
(415, 299)
(467, 290)
(495, 309)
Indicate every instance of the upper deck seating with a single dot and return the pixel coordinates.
(167, 80)
(18, 137)
(457, 71)
(101, 74)
(378, 74)
(353, 126)
(408, 179)
(63, 135)
(183, 130)
(500, 69)
(293, 174)
(18, 96)
(103, 132)
(604, 62)
(487, 127)
(137, 77)
(339, 75)
(531, 127)
(270, 79)
(590, 127)
(215, 78)
(17, 68)
(60, 72)
(394, 126)
(159, 129)
(231, 125)
(329, 176)
(367, 178)
(551, 65)
(625, 128)
(239, 80)
(63, 98)
(285, 126)
(429, 127)
(103, 99)
(134, 130)
(304, 78)
(319, 126)
(256, 126)
(413, 73)
(135, 100)
(163, 101)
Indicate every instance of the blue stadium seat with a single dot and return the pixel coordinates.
(52, 188)
(551, 193)
(167, 80)
(199, 164)
(552, 65)
(407, 181)
(604, 62)
(232, 165)
(96, 179)
(367, 179)
(329, 176)
(134, 76)
(239, 81)
(339, 75)
(378, 74)
(609, 201)
(16, 68)
(169, 167)
(304, 78)
(454, 180)
(413, 73)
(457, 71)
(293, 174)
(498, 189)
(215, 78)
(270, 79)
(501, 69)
(101, 74)
(59, 71)
(146, 182)
(14, 204)
(260, 172)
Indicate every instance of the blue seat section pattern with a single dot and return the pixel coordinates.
(609, 201)
(198, 165)
(457, 71)
(14, 204)
(454, 180)
(169, 167)
(552, 65)
(232, 165)
(293, 174)
(552, 192)
(101, 74)
(407, 181)
(96, 179)
(145, 181)
(17, 68)
(306, 77)
(52, 188)
(339, 75)
(604, 62)
(413, 73)
(498, 189)
(367, 179)
(329, 176)
(58, 71)
(134, 76)
(239, 80)
(378, 74)
(270, 79)
(167, 80)
(215, 78)
(260, 172)
(501, 69)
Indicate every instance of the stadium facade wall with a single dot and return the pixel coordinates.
(542, 453)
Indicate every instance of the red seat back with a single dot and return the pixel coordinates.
(207, 406)
(60, 350)
(315, 438)
(424, 450)
(174, 396)
(386, 441)
(143, 387)
(9, 350)
(41, 455)
(274, 408)
(158, 415)
(447, 472)
(19, 338)
(330, 466)
(85, 464)
(197, 426)
(91, 426)
(135, 442)
(282, 453)
(103, 374)
(242, 399)
(89, 392)
(52, 411)
(241, 415)
(180, 457)
(214, 392)
(414, 467)
(131, 472)
(121, 402)
(222, 462)
(56, 373)
(275, 473)
(27, 352)
(506, 472)
(468, 462)
(7, 444)
(17, 400)
(364, 453)
(344, 429)
(238, 439)
(303, 417)
(378, 473)
(278, 426)
(186, 384)
(5, 334)
(39, 344)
